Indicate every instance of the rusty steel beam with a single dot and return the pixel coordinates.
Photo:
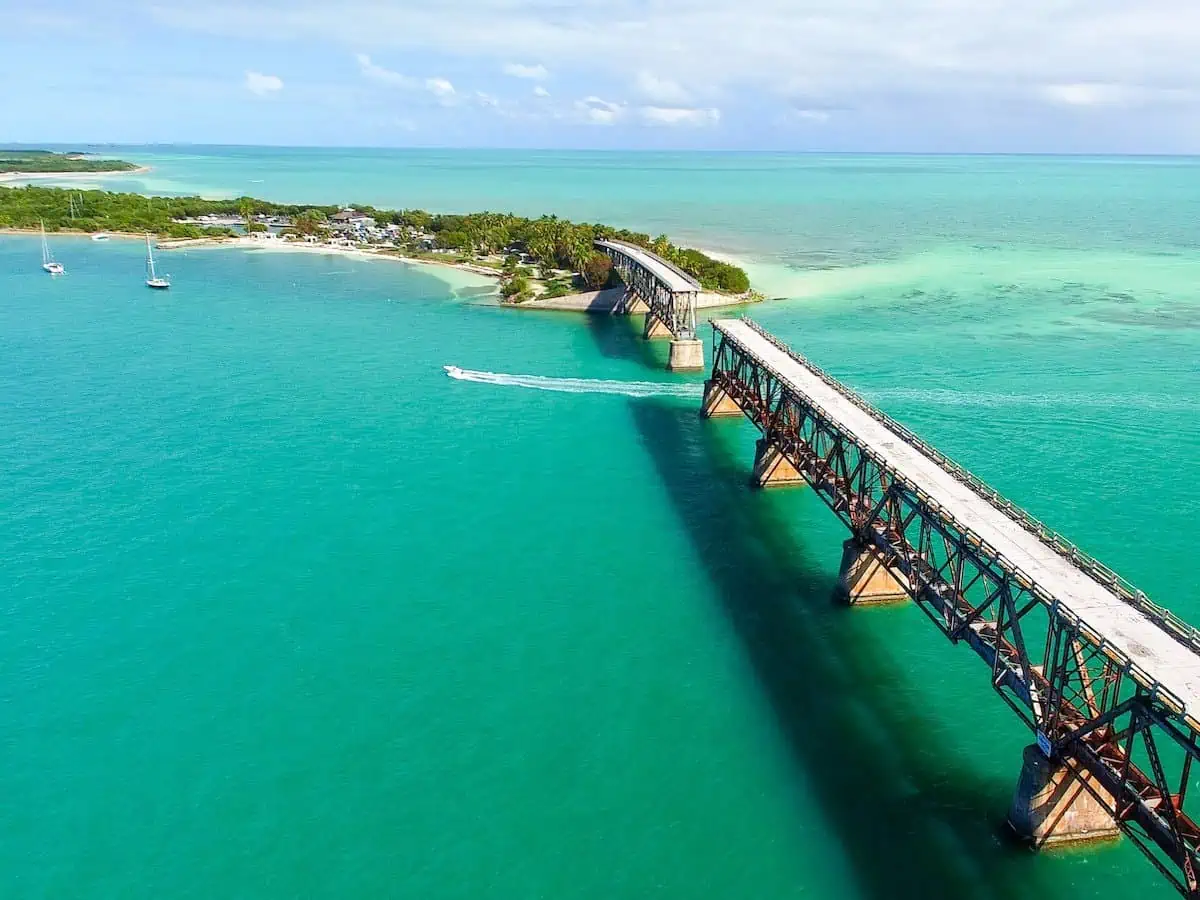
(675, 309)
(1092, 708)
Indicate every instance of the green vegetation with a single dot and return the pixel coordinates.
(47, 161)
(550, 244)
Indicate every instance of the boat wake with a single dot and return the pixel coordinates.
(577, 385)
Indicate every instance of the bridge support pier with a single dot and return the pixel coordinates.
(686, 356)
(1052, 806)
(772, 468)
(631, 304)
(866, 580)
(717, 403)
(655, 329)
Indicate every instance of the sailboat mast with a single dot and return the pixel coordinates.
(149, 257)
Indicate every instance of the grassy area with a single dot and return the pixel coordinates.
(48, 161)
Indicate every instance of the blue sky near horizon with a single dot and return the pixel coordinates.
(853, 75)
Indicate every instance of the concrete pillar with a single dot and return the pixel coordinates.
(1052, 807)
(686, 356)
(655, 329)
(632, 305)
(866, 580)
(717, 403)
(772, 468)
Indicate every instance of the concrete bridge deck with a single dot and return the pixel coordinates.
(1167, 661)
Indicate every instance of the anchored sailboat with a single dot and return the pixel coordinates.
(153, 279)
(48, 263)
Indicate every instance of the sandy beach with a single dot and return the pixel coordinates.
(478, 275)
(9, 177)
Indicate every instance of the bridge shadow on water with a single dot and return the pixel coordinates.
(910, 824)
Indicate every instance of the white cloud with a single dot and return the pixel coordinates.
(661, 90)
(517, 70)
(263, 85)
(914, 66)
(596, 111)
(439, 87)
(678, 115)
(540, 91)
(382, 75)
(1085, 94)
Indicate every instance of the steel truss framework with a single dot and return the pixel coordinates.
(1093, 709)
(675, 309)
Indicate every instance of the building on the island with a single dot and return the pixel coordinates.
(351, 221)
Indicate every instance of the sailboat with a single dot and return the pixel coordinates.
(48, 263)
(153, 279)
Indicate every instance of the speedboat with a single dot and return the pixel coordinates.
(453, 371)
(100, 236)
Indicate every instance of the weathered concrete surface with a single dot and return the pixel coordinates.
(608, 302)
(655, 329)
(717, 404)
(772, 468)
(1051, 805)
(686, 356)
(865, 580)
(631, 304)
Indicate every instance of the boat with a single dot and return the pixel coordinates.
(453, 371)
(100, 236)
(153, 279)
(48, 263)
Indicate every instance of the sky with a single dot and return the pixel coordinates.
(1063, 76)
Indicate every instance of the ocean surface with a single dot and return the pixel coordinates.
(288, 612)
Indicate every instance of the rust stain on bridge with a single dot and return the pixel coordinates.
(1108, 682)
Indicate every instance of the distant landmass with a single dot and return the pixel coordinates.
(49, 161)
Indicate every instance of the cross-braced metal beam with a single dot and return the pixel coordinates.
(1092, 708)
(669, 291)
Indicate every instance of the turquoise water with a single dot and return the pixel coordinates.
(290, 613)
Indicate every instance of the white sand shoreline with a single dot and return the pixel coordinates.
(7, 177)
(471, 276)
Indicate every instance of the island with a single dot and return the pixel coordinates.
(47, 161)
(534, 259)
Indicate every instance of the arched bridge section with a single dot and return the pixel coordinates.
(665, 293)
(1108, 682)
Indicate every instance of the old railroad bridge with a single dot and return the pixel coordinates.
(665, 293)
(1108, 682)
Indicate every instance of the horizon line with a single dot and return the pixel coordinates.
(14, 145)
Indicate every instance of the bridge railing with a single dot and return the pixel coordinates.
(1095, 710)
(666, 262)
(1180, 630)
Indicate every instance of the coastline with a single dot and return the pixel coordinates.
(7, 177)
(258, 245)
(597, 302)
(605, 301)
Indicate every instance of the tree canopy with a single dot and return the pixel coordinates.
(549, 243)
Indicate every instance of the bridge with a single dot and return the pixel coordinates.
(1108, 682)
(665, 293)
